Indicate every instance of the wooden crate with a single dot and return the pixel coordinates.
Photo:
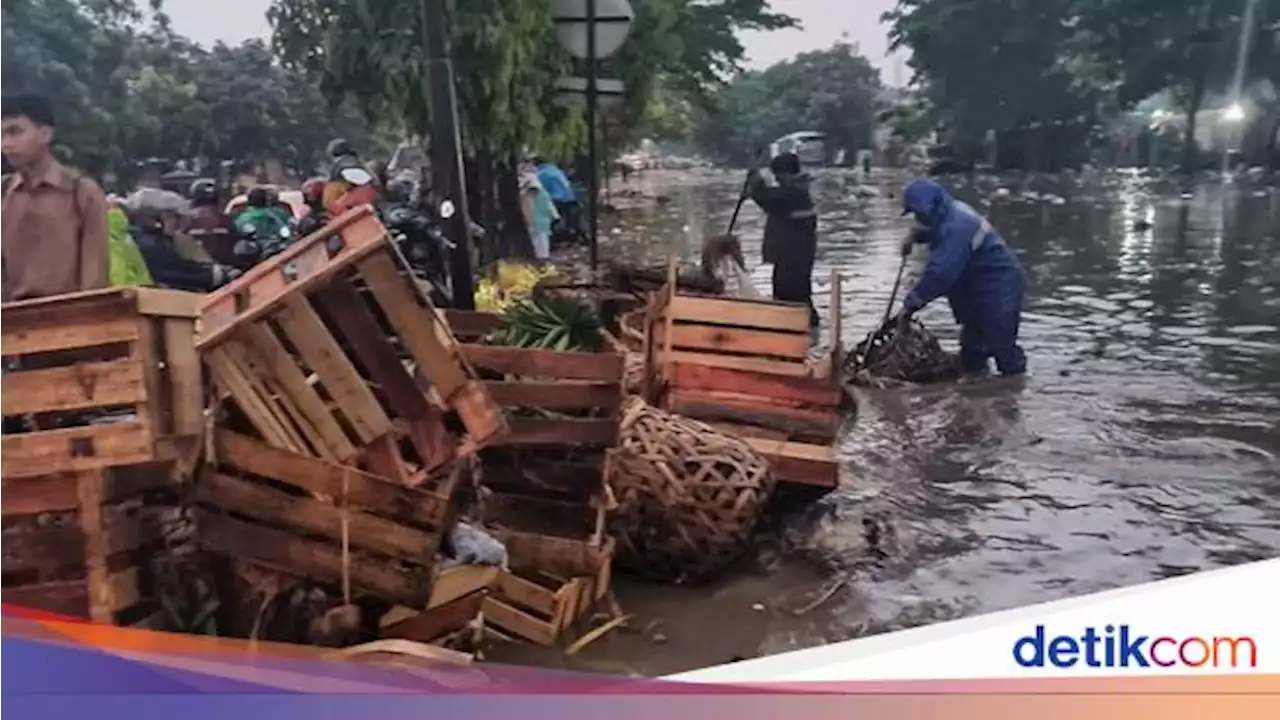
(103, 378)
(313, 344)
(76, 544)
(457, 599)
(553, 584)
(286, 511)
(745, 366)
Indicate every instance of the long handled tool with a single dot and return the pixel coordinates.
(742, 196)
(893, 297)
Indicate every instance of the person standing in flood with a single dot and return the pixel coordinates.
(55, 236)
(790, 231)
(975, 269)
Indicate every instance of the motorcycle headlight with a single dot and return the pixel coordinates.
(446, 209)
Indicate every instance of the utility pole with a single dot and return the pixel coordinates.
(447, 178)
(594, 182)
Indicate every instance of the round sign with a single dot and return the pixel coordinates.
(612, 23)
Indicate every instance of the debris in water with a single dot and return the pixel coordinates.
(830, 593)
(758, 607)
(596, 634)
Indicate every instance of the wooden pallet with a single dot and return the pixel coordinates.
(312, 345)
(553, 584)
(101, 379)
(286, 511)
(746, 367)
(76, 544)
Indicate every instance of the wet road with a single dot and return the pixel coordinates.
(1143, 444)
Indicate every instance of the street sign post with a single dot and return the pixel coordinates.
(590, 30)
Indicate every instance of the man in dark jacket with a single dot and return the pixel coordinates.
(976, 270)
(791, 230)
(155, 218)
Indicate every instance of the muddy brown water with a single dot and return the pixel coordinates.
(1142, 445)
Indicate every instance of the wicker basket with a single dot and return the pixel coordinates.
(631, 330)
(909, 353)
(688, 497)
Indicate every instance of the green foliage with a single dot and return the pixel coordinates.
(834, 91)
(550, 324)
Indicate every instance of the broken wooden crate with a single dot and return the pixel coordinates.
(78, 543)
(330, 523)
(312, 345)
(99, 379)
(457, 600)
(745, 367)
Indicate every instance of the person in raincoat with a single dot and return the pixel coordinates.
(264, 227)
(350, 183)
(975, 269)
(790, 231)
(540, 212)
(128, 267)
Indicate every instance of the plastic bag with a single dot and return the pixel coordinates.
(472, 546)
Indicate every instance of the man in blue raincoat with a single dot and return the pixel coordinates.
(975, 269)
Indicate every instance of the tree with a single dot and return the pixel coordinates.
(833, 91)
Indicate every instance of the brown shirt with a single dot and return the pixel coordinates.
(54, 234)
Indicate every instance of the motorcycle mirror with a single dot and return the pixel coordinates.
(285, 232)
(446, 209)
(356, 176)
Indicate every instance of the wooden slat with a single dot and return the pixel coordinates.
(43, 548)
(468, 325)
(565, 557)
(823, 424)
(525, 432)
(406, 505)
(74, 387)
(85, 307)
(462, 580)
(748, 364)
(437, 621)
(808, 391)
(76, 449)
(65, 337)
(415, 324)
(57, 493)
(288, 553)
(519, 592)
(322, 354)
(183, 371)
(483, 418)
(280, 406)
(69, 597)
(518, 622)
(316, 517)
(272, 353)
(146, 352)
(801, 463)
(715, 339)
(606, 367)
(232, 378)
(162, 302)
(556, 395)
(767, 315)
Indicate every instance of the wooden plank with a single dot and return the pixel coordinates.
(603, 367)
(455, 582)
(69, 597)
(86, 307)
(438, 620)
(44, 548)
(482, 417)
(809, 391)
(556, 395)
(146, 352)
(743, 432)
(268, 348)
(124, 589)
(76, 449)
(416, 325)
(801, 463)
(322, 354)
(221, 314)
(469, 325)
(66, 337)
(701, 405)
(382, 457)
(518, 622)
(716, 339)
(379, 495)
(183, 372)
(102, 600)
(747, 364)
(228, 374)
(316, 517)
(591, 432)
(286, 417)
(564, 557)
(516, 590)
(357, 324)
(783, 317)
(286, 552)
(166, 303)
(74, 387)
(435, 446)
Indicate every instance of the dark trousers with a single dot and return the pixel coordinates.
(992, 334)
(793, 282)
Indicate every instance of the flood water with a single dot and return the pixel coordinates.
(1143, 444)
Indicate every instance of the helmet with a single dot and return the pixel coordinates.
(203, 192)
(259, 197)
(399, 190)
(339, 147)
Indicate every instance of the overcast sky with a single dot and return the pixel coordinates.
(824, 22)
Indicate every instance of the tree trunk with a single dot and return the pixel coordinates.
(1190, 152)
(515, 236)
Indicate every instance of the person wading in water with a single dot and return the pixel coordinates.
(791, 230)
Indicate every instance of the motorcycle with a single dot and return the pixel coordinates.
(422, 243)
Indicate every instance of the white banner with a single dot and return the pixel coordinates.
(1216, 622)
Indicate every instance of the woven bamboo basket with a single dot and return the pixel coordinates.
(909, 353)
(633, 373)
(631, 330)
(688, 497)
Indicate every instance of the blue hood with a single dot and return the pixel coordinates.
(927, 201)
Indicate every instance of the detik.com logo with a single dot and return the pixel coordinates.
(1118, 646)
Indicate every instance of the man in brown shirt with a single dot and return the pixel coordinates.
(54, 219)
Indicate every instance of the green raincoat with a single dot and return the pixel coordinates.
(127, 266)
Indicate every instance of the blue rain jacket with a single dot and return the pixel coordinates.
(969, 262)
(556, 183)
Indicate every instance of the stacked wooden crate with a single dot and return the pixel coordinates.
(745, 366)
(101, 394)
(545, 485)
(350, 407)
